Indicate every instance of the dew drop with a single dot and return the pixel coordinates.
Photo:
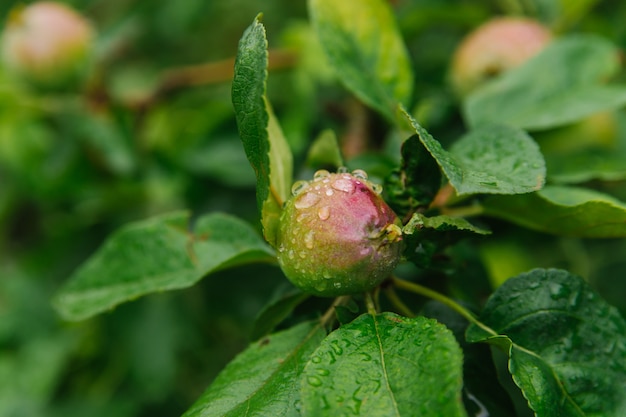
(534, 285)
(344, 185)
(337, 285)
(327, 275)
(342, 170)
(314, 381)
(281, 248)
(377, 188)
(316, 359)
(335, 345)
(290, 254)
(360, 174)
(302, 255)
(308, 240)
(301, 217)
(329, 192)
(323, 213)
(307, 200)
(323, 372)
(322, 173)
(557, 290)
(298, 187)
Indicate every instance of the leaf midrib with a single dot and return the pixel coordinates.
(384, 367)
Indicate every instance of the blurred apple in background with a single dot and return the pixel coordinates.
(496, 46)
(47, 44)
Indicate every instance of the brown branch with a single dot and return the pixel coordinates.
(181, 78)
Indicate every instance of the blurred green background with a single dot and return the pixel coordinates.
(152, 130)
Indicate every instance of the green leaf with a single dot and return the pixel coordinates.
(426, 236)
(567, 346)
(158, 254)
(416, 182)
(263, 140)
(275, 312)
(385, 365)
(325, 152)
(365, 47)
(491, 160)
(562, 210)
(220, 159)
(482, 388)
(593, 148)
(260, 381)
(587, 165)
(560, 85)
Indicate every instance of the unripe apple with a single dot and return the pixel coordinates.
(496, 46)
(337, 235)
(47, 44)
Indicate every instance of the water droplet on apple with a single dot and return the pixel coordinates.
(323, 213)
(343, 184)
(298, 187)
(308, 240)
(322, 173)
(307, 200)
(360, 174)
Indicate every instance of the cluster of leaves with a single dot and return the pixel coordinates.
(520, 158)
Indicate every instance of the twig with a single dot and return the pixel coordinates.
(398, 303)
(427, 292)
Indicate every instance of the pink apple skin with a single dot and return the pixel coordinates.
(494, 47)
(337, 236)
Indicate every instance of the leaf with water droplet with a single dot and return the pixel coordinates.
(557, 337)
(483, 393)
(158, 254)
(490, 159)
(261, 135)
(260, 380)
(375, 367)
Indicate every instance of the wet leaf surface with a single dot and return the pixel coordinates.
(567, 346)
(490, 160)
(262, 137)
(260, 381)
(158, 254)
(385, 365)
